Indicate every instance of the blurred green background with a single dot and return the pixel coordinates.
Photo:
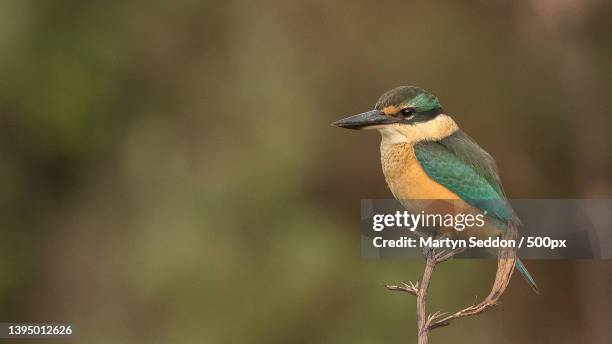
(168, 172)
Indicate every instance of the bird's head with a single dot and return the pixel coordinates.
(405, 114)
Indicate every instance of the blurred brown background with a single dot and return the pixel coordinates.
(168, 173)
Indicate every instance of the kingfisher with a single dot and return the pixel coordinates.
(425, 156)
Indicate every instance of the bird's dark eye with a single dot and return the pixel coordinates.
(406, 113)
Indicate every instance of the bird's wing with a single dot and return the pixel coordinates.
(468, 151)
(460, 165)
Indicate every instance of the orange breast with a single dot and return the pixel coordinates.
(405, 176)
(409, 183)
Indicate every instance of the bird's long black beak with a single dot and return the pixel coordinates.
(363, 120)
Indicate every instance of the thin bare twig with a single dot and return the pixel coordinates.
(409, 287)
(427, 323)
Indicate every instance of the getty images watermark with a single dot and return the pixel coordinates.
(457, 222)
(550, 229)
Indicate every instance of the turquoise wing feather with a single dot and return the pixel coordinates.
(466, 170)
(469, 152)
(458, 163)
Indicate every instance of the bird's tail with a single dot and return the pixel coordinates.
(523, 270)
(506, 264)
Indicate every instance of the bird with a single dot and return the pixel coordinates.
(426, 156)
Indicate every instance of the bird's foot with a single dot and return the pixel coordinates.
(444, 255)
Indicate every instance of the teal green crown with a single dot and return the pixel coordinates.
(411, 96)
